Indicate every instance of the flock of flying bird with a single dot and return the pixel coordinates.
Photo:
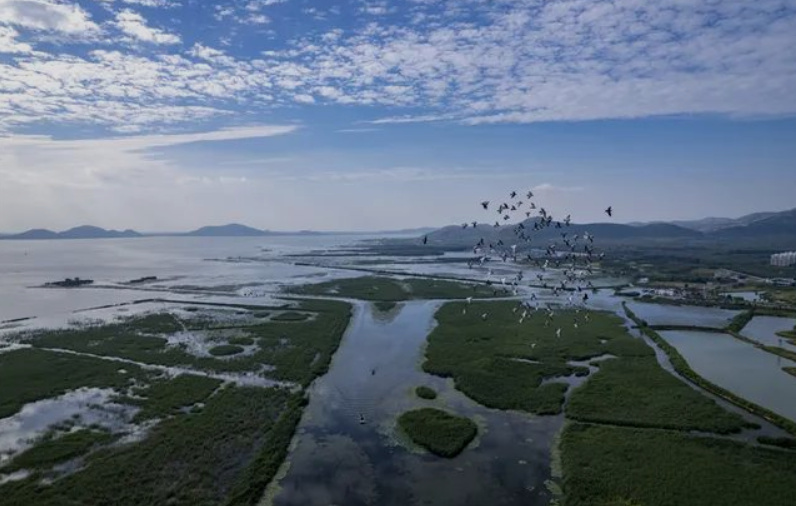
(571, 254)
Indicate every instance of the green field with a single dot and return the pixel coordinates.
(29, 375)
(210, 443)
(225, 350)
(165, 397)
(55, 448)
(625, 466)
(501, 363)
(638, 392)
(393, 290)
(192, 458)
(297, 350)
(439, 432)
(425, 392)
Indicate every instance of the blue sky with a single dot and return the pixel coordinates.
(366, 114)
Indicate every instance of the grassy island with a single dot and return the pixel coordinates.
(439, 432)
(425, 392)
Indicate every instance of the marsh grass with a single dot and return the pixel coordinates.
(28, 375)
(392, 290)
(193, 458)
(425, 392)
(638, 392)
(441, 433)
(619, 466)
(290, 316)
(297, 350)
(501, 363)
(56, 448)
(166, 396)
(225, 350)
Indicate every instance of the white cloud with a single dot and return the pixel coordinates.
(33, 161)
(134, 25)
(472, 61)
(9, 42)
(47, 15)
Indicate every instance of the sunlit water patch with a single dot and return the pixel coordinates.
(82, 407)
(763, 329)
(739, 367)
(662, 314)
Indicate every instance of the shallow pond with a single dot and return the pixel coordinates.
(763, 329)
(661, 314)
(338, 460)
(83, 407)
(739, 367)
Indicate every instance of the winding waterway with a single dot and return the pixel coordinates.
(338, 460)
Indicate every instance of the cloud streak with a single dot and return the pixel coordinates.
(472, 61)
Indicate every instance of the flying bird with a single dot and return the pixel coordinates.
(609, 211)
(485, 204)
(425, 239)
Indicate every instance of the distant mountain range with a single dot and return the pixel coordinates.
(715, 224)
(231, 230)
(774, 229)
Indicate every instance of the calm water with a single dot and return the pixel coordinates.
(177, 261)
(661, 314)
(763, 329)
(739, 367)
(339, 461)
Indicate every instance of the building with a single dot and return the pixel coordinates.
(784, 259)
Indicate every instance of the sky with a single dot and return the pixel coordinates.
(162, 115)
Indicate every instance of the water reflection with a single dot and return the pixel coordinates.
(338, 460)
(763, 329)
(739, 367)
(660, 314)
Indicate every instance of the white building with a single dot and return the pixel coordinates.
(784, 259)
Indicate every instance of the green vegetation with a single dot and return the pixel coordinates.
(213, 445)
(392, 290)
(501, 363)
(29, 375)
(241, 341)
(290, 316)
(790, 370)
(740, 320)
(57, 448)
(439, 432)
(193, 458)
(225, 350)
(782, 442)
(251, 486)
(425, 392)
(298, 351)
(681, 366)
(385, 306)
(625, 466)
(638, 392)
(164, 397)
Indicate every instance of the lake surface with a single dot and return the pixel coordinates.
(662, 314)
(763, 329)
(176, 261)
(339, 461)
(739, 367)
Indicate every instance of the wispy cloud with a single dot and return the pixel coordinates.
(471, 61)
